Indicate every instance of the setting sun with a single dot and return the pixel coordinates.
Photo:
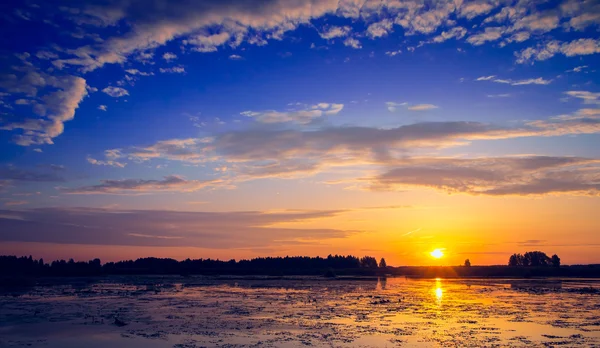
(437, 254)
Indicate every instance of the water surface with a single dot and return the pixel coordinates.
(200, 312)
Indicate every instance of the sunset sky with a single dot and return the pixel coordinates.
(242, 128)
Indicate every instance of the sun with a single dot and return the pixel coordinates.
(437, 254)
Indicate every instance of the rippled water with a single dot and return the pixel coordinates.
(198, 312)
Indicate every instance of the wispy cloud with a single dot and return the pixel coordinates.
(422, 107)
(171, 183)
(115, 92)
(302, 116)
(163, 228)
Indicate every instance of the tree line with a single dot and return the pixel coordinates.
(534, 259)
(28, 266)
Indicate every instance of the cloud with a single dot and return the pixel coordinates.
(473, 9)
(489, 34)
(518, 37)
(222, 230)
(454, 33)
(106, 163)
(379, 29)
(14, 203)
(540, 22)
(171, 183)
(266, 151)
(301, 116)
(537, 81)
(577, 69)
(173, 70)
(334, 32)
(503, 95)
(533, 81)
(550, 49)
(208, 42)
(587, 97)
(393, 106)
(52, 109)
(169, 56)
(392, 53)
(190, 150)
(137, 72)
(102, 107)
(352, 42)
(115, 92)
(422, 107)
(235, 57)
(12, 173)
(499, 176)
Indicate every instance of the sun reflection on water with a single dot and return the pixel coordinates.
(439, 291)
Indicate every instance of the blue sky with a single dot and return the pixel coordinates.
(333, 107)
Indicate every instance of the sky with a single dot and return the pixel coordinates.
(243, 128)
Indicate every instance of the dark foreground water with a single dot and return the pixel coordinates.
(203, 312)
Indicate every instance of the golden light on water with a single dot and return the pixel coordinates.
(437, 254)
(439, 291)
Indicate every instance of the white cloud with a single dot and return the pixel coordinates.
(169, 56)
(173, 70)
(535, 81)
(115, 92)
(208, 43)
(577, 69)
(551, 48)
(137, 72)
(333, 32)
(489, 34)
(393, 106)
(456, 32)
(301, 116)
(473, 9)
(105, 163)
(379, 29)
(52, 109)
(102, 107)
(587, 97)
(540, 22)
(235, 57)
(393, 53)
(352, 42)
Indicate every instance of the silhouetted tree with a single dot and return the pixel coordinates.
(531, 259)
(536, 259)
(382, 263)
(555, 261)
(515, 260)
(368, 262)
(467, 263)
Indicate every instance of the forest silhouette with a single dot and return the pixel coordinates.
(530, 264)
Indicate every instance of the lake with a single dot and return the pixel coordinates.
(294, 312)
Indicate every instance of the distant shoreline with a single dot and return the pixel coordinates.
(329, 267)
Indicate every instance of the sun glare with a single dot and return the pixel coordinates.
(437, 254)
